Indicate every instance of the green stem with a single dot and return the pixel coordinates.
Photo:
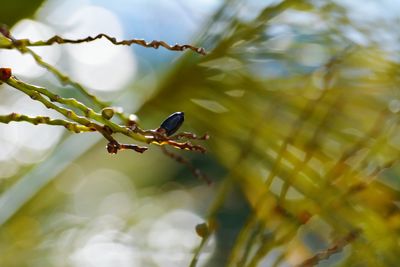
(64, 79)
(196, 255)
(36, 91)
(73, 127)
(22, 46)
(31, 91)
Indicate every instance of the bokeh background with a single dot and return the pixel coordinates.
(300, 98)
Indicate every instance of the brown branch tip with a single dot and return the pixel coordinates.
(5, 74)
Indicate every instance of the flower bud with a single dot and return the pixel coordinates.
(107, 113)
(5, 74)
(202, 230)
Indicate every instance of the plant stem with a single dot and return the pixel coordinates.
(71, 126)
(153, 44)
(31, 91)
(35, 93)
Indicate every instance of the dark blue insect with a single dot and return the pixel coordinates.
(172, 123)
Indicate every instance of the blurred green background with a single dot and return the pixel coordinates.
(300, 98)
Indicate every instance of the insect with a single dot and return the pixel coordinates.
(171, 124)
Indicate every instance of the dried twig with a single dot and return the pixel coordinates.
(195, 171)
(64, 79)
(337, 247)
(154, 44)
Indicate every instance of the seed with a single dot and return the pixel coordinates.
(172, 123)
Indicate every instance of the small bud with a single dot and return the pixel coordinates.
(202, 230)
(172, 123)
(5, 74)
(107, 113)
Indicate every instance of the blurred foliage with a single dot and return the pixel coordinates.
(298, 141)
(303, 149)
(14, 10)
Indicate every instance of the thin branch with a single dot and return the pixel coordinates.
(113, 146)
(337, 247)
(108, 127)
(183, 146)
(106, 131)
(204, 230)
(197, 253)
(131, 129)
(153, 44)
(268, 245)
(195, 171)
(64, 79)
(192, 136)
(89, 113)
(35, 95)
(71, 126)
